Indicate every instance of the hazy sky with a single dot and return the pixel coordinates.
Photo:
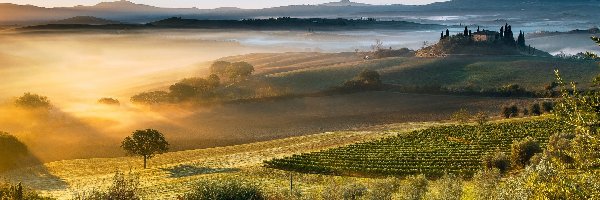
(207, 3)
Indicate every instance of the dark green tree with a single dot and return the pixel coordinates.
(522, 151)
(146, 143)
(521, 39)
(466, 32)
(536, 109)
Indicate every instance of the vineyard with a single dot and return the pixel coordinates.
(434, 151)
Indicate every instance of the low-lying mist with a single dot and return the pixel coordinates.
(76, 69)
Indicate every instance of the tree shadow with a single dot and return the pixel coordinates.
(37, 178)
(181, 171)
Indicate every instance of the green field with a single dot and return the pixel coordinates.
(435, 151)
(314, 72)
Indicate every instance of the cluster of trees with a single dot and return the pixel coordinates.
(199, 88)
(534, 109)
(505, 35)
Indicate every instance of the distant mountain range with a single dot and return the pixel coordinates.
(126, 11)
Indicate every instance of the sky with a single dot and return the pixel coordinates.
(207, 3)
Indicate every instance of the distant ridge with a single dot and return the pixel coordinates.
(89, 20)
(129, 12)
(345, 3)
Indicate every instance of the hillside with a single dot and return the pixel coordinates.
(175, 173)
(313, 72)
(90, 20)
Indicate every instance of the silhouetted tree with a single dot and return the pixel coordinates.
(521, 39)
(29, 100)
(466, 32)
(447, 33)
(146, 143)
(502, 32)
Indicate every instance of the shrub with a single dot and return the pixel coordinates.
(485, 184)
(366, 80)
(497, 160)
(536, 109)
(413, 188)
(462, 116)
(383, 190)
(522, 151)
(449, 187)
(510, 111)
(526, 112)
(225, 190)
(482, 118)
(559, 147)
(354, 191)
(547, 106)
(18, 192)
(109, 101)
(122, 188)
(29, 100)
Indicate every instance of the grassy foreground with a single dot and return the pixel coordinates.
(173, 174)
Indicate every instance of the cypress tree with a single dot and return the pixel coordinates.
(447, 33)
(466, 32)
(502, 32)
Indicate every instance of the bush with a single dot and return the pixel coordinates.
(122, 188)
(109, 101)
(383, 190)
(482, 118)
(413, 188)
(366, 80)
(354, 191)
(29, 100)
(485, 184)
(536, 109)
(449, 187)
(497, 160)
(225, 190)
(462, 116)
(548, 106)
(510, 111)
(18, 192)
(522, 151)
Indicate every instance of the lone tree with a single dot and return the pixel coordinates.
(146, 143)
